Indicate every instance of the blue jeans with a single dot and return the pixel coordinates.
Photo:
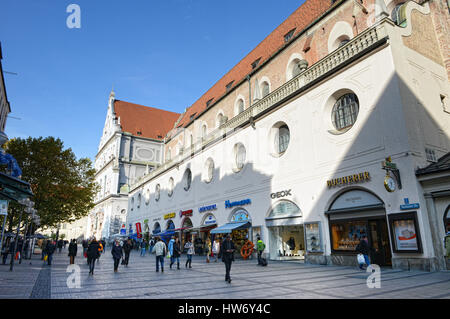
(159, 259)
(142, 251)
(150, 249)
(367, 262)
(49, 258)
(172, 260)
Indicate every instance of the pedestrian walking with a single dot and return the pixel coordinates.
(227, 252)
(176, 253)
(85, 245)
(100, 250)
(49, 250)
(60, 245)
(73, 251)
(92, 254)
(190, 251)
(216, 248)
(160, 252)
(143, 247)
(208, 249)
(170, 248)
(5, 252)
(116, 252)
(127, 247)
(151, 245)
(43, 245)
(363, 248)
(260, 246)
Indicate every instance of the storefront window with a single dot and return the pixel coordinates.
(313, 238)
(345, 236)
(405, 233)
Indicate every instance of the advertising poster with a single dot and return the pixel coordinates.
(405, 234)
(313, 243)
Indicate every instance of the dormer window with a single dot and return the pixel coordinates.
(288, 36)
(192, 116)
(209, 102)
(255, 64)
(229, 85)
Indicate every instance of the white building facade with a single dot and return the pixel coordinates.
(313, 151)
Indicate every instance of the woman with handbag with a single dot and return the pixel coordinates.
(72, 251)
(363, 252)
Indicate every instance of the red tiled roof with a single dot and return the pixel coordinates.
(300, 19)
(144, 121)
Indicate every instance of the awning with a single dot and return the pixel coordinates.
(182, 228)
(227, 228)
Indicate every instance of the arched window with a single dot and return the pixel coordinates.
(265, 89)
(239, 156)
(208, 170)
(345, 111)
(204, 131)
(171, 185)
(187, 179)
(157, 192)
(240, 106)
(282, 139)
(219, 119)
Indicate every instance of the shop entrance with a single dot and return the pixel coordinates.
(379, 241)
(353, 215)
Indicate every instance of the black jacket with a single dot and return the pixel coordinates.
(363, 247)
(227, 245)
(50, 248)
(116, 252)
(73, 249)
(176, 249)
(92, 250)
(60, 243)
(127, 247)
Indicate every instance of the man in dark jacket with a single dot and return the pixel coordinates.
(127, 246)
(73, 251)
(363, 248)
(60, 245)
(116, 252)
(92, 255)
(227, 252)
(49, 250)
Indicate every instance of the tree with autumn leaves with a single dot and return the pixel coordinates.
(63, 186)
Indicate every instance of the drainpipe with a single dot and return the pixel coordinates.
(249, 91)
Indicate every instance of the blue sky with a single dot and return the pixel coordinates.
(163, 54)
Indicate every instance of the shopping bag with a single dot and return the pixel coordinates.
(85, 255)
(168, 255)
(45, 257)
(361, 259)
(17, 256)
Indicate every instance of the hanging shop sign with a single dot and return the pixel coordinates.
(123, 231)
(169, 215)
(207, 208)
(210, 220)
(186, 213)
(281, 194)
(3, 208)
(347, 180)
(138, 230)
(407, 205)
(240, 215)
(229, 204)
(156, 219)
(131, 229)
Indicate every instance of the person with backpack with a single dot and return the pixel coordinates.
(160, 252)
(151, 245)
(49, 250)
(92, 254)
(260, 246)
(127, 247)
(190, 251)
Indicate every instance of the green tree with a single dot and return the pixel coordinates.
(63, 187)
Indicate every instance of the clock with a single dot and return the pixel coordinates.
(390, 184)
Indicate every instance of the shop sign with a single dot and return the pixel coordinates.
(207, 208)
(240, 216)
(123, 231)
(229, 204)
(351, 179)
(156, 219)
(3, 208)
(281, 194)
(131, 229)
(186, 213)
(169, 215)
(210, 220)
(407, 205)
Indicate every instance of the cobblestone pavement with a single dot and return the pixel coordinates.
(285, 280)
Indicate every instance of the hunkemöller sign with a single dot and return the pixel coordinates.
(229, 204)
(351, 179)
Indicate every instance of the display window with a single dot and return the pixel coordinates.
(313, 237)
(239, 238)
(346, 235)
(405, 233)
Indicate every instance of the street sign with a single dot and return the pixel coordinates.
(3, 208)
(407, 205)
